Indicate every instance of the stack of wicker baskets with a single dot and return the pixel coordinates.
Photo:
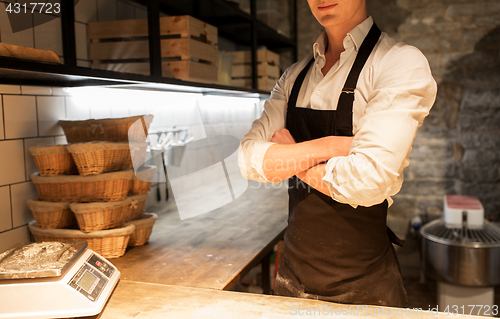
(106, 195)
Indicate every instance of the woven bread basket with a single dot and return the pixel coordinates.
(51, 214)
(53, 160)
(100, 157)
(112, 130)
(138, 204)
(99, 216)
(140, 182)
(143, 228)
(110, 243)
(74, 188)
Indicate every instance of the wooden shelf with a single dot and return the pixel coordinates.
(232, 23)
(24, 72)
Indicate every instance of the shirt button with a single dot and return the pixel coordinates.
(317, 92)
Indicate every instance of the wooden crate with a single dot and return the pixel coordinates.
(262, 55)
(188, 47)
(268, 70)
(184, 70)
(263, 83)
(263, 70)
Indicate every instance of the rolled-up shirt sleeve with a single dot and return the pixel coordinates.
(255, 143)
(403, 94)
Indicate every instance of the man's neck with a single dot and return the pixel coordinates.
(336, 37)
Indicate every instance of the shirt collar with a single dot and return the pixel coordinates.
(357, 35)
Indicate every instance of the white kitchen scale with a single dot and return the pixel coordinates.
(54, 280)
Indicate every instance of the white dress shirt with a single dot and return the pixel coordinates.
(394, 94)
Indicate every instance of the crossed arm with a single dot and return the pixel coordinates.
(363, 170)
(287, 158)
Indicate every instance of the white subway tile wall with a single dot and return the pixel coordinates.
(12, 162)
(100, 111)
(120, 112)
(25, 119)
(60, 140)
(138, 109)
(19, 113)
(76, 110)
(60, 91)
(15, 236)
(5, 211)
(30, 119)
(10, 89)
(20, 193)
(35, 90)
(50, 110)
(29, 115)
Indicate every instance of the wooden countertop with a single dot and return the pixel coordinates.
(153, 301)
(212, 250)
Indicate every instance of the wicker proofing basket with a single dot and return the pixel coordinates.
(141, 180)
(138, 204)
(112, 130)
(107, 243)
(53, 160)
(100, 157)
(143, 228)
(95, 188)
(99, 216)
(51, 214)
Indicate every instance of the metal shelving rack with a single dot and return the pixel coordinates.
(232, 23)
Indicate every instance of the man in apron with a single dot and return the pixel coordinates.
(339, 126)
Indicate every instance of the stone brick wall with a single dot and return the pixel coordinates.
(456, 151)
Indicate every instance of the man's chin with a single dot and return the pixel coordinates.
(329, 20)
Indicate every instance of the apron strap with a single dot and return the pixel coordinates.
(292, 100)
(364, 52)
(346, 98)
(347, 94)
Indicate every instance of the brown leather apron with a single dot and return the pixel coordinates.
(332, 251)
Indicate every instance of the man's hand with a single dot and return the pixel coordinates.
(283, 136)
